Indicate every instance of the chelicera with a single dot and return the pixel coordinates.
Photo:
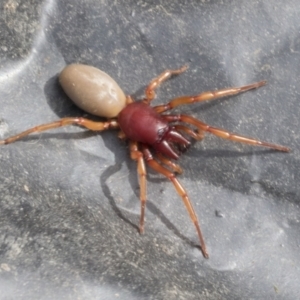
(155, 138)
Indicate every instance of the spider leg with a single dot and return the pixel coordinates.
(197, 135)
(181, 192)
(92, 125)
(205, 96)
(223, 133)
(157, 81)
(176, 168)
(141, 169)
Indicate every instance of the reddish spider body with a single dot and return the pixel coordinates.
(144, 126)
(141, 123)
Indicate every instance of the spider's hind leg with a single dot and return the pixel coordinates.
(83, 122)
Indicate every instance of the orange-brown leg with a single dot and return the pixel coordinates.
(195, 135)
(141, 169)
(180, 190)
(211, 95)
(176, 168)
(223, 133)
(156, 82)
(95, 126)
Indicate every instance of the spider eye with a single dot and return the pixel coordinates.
(92, 90)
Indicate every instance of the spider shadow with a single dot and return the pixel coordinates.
(120, 158)
(63, 107)
(60, 103)
(205, 153)
(165, 220)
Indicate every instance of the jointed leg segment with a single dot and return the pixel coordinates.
(199, 135)
(223, 133)
(92, 125)
(176, 168)
(205, 96)
(141, 169)
(157, 81)
(180, 190)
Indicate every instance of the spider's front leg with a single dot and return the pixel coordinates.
(181, 192)
(202, 127)
(91, 125)
(176, 168)
(141, 169)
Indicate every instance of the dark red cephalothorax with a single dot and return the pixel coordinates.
(141, 123)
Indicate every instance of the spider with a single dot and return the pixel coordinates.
(146, 128)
